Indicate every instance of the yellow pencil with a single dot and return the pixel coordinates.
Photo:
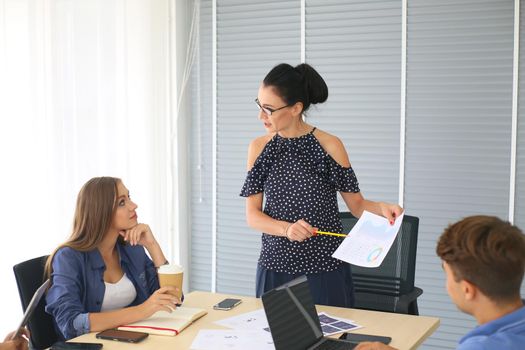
(329, 233)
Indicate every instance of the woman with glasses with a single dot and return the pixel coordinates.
(299, 169)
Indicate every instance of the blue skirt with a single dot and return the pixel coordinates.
(333, 288)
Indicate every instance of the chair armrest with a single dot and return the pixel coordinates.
(405, 300)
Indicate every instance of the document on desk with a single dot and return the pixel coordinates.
(254, 320)
(219, 339)
(369, 241)
(333, 324)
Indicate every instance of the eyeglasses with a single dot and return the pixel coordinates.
(266, 110)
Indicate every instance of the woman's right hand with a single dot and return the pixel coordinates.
(299, 231)
(160, 300)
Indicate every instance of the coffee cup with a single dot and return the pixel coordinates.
(171, 275)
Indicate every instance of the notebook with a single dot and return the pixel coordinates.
(293, 319)
(35, 300)
(166, 323)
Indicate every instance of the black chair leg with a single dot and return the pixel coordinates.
(412, 308)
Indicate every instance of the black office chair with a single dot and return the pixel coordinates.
(389, 287)
(29, 276)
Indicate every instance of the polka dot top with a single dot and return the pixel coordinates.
(300, 181)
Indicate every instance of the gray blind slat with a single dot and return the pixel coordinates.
(519, 200)
(459, 87)
(519, 212)
(252, 37)
(362, 70)
(201, 155)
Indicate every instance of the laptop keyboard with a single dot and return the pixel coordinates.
(335, 345)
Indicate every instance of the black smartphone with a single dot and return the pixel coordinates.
(358, 338)
(76, 346)
(125, 336)
(227, 304)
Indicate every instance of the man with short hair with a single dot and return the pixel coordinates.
(484, 262)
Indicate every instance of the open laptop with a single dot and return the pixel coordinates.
(32, 306)
(293, 319)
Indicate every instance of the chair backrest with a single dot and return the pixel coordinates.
(380, 288)
(29, 276)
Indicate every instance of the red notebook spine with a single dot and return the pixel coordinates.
(157, 328)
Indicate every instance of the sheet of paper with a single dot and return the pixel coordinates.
(254, 320)
(369, 240)
(333, 324)
(218, 339)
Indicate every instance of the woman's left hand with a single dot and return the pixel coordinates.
(390, 211)
(140, 234)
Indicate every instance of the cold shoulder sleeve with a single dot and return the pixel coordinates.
(255, 178)
(342, 178)
(257, 175)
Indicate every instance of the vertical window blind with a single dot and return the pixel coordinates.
(201, 158)
(519, 212)
(356, 47)
(458, 121)
(252, 37)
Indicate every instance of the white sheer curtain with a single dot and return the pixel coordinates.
(83, 92)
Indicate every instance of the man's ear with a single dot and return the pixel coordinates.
(469, 290)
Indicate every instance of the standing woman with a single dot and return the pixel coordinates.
(101, 276)
(299, 169)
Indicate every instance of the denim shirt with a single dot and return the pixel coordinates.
(78, 285)
(507, 332)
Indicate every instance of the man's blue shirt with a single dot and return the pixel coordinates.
(78, 285)
(507, 332)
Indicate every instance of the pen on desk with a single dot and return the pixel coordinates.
(329, 234)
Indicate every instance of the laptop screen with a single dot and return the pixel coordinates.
(292, 316)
